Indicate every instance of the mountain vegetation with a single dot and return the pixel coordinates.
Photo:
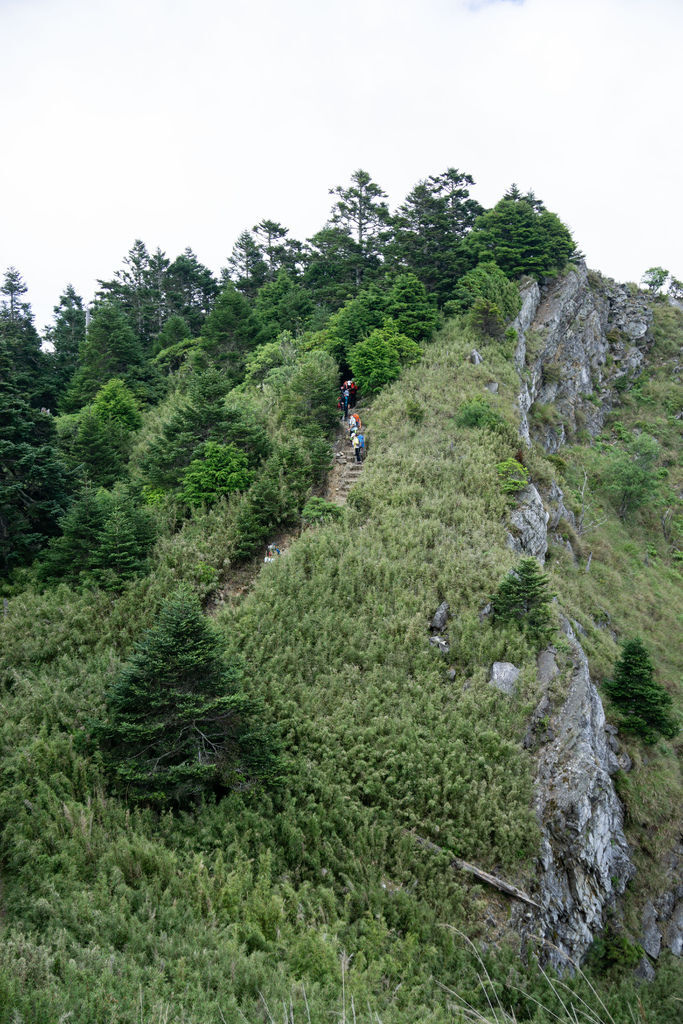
(240, 791)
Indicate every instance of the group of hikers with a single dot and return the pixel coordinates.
(347, 400)
(347, 397)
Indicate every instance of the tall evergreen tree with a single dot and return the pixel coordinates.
(429, 229)
(67, 337)
(246, 268)
(111, 349)
(282, 305)
(178, 722)
(34, 483)
(192, 289)
(645, 705)
(229, 333)
(360, 210)
(32, 371)
(330, 259)
(521, 237)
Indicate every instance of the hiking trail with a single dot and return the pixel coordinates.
(343, 474)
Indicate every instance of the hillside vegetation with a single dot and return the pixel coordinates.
(302, 868)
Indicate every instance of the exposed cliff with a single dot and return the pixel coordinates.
(576, 339)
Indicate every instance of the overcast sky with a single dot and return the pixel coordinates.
(182, 122)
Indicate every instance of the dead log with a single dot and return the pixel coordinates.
(484, 876)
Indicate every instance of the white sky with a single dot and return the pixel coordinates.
(182, 122)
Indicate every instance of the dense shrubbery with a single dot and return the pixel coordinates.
(644, 705)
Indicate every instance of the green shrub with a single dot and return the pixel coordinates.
(221, 469)
(318, 510)
(513, 476)
(479, 413)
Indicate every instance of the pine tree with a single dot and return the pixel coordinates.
(67, 337)
(229, 333)
(644, 704)
(110, 349)
(523, 598)
(192, 290)
(178, 723)
(360, 210)
(34, 482)
(429, 229)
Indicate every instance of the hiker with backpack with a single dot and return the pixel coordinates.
(356, 447)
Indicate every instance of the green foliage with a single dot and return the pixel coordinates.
(429, 231)
(318, 510)
(486, 282)
(174, 332)
(34, 483)
(115, 406)
(644, 704)
(479, 413)
(408, 305)
(627, 474)
(228, 334)
(377, 361)
(282, 305)
(110, 349)
(105, 540)
(513, 476)
(177, 723)
(355, 321)
(220, 470)
(521, 238)
(654, 279)
(612, 951)
(523, 599)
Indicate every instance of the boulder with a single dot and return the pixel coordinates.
(441, 643)
(504, 676)
(475, 357)
(492, 386)
(440, 617)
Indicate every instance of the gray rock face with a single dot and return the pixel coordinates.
(529, 522)
(651, 939)
(546, 667)
(440, 617)
(644, 971)
(574, 340)
(584, 858)
(673, 931)
(504, 676)
(475, 357)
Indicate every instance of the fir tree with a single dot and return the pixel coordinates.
(644, 704)
(178, 723)
(523, 598)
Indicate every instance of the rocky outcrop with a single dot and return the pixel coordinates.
(504, 676)
(584, 858)
(529, 522)
(575, 339)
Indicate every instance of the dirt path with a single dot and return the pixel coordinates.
(341, 478)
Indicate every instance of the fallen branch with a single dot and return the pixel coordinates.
(462, 865)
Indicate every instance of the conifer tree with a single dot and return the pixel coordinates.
(644, 704)
(67, 336)
(429, 229)
(110, 349)
(360, 210)
(523, 598)
(34, 482)
(229, 333)
(178, 723)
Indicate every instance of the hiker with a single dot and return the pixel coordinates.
(356, 447)
(271, 553)
(355, 418)
(345, 400)
(353, 388)
(361, 439)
